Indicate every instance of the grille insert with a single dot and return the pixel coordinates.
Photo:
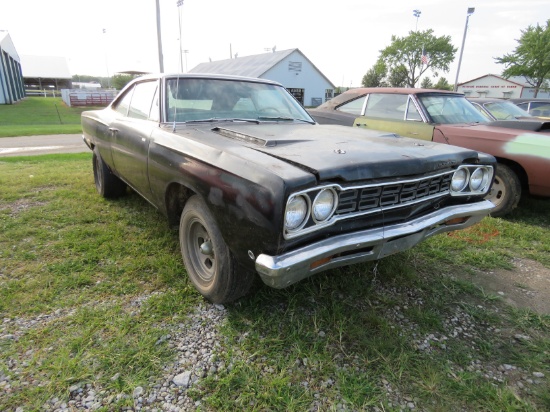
(374, 198)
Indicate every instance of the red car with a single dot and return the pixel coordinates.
(523, 154)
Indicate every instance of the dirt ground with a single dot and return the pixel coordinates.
(526, 286)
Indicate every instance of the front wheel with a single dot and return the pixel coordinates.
(505, 192)
(210, 265)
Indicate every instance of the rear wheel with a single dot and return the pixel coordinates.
(505, 192)
(106, 183)
(209, 262)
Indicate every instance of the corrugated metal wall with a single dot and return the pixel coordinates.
(11, 77)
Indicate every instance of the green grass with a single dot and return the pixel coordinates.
(39, 116)
(352, 334)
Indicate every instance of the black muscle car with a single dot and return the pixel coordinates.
(257, 187)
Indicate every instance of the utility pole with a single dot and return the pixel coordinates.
(159, 39)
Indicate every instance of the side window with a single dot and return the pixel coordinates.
(412, 112)
(142, 100)
(387, 106)
(483, 112)
(154, 114)
(353, 107)
(524, 106)
(124, 103)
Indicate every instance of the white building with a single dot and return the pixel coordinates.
(289, 67)
(11, 79)
(495, 86)
(45, 73)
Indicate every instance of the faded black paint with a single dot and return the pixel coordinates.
(246, 182)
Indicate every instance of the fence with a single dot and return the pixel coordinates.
(78, 97)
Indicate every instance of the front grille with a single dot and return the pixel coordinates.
(377, 197)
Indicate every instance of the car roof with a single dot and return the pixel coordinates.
(487, 99)
(212, 76)
(528, 100)
(352, 94)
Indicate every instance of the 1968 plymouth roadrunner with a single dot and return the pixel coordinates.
(257, 187)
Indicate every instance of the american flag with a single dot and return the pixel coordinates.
(425, 58)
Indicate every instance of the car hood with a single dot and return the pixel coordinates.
(344, 153)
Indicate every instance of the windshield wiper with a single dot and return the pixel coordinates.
(214, 120)
(284, 118)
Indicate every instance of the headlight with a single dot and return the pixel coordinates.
(459, 180)
(479, 179)
(324, 205)
(296, 212)
(469, 180)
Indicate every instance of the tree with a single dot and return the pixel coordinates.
(531, 58)
(426, 83)
(443, 84)
(398, 76)
(407, 52)
(121, 80)
(376, 75)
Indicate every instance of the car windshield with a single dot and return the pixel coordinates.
(210, 100)
(451, 109)
(505, 110)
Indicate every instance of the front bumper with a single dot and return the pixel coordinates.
(372, 244)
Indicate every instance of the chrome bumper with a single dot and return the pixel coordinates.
(372, 244)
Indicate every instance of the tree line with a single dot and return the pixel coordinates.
(118, 81)
(406, 59)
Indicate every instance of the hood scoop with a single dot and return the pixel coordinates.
(242, 137)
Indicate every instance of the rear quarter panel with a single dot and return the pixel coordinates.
(95, 128)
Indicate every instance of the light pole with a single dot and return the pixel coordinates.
(107, 59)
(179, 3)
(185, 52)
(468, 14)
(416, 13)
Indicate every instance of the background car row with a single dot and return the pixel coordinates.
(522, 149)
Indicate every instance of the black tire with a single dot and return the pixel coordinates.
(210, 265)
(106, 183)
(505, 192)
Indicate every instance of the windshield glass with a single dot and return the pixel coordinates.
(195, 100)
(505, 110)
(451, 109)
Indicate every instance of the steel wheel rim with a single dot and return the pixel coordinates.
(498, 191)
(204, 263)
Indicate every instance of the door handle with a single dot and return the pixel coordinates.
(113, 129)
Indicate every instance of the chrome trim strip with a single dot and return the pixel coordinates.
(283, 270)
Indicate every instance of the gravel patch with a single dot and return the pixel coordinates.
(199, 352)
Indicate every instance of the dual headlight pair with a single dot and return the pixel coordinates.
(466, 180)
(471, 180)
(300, 207)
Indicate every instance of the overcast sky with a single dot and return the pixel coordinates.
(342, 38)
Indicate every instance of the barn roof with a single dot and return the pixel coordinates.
(45, 67)
(6, 45)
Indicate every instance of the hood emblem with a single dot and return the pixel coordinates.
(340, 151)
